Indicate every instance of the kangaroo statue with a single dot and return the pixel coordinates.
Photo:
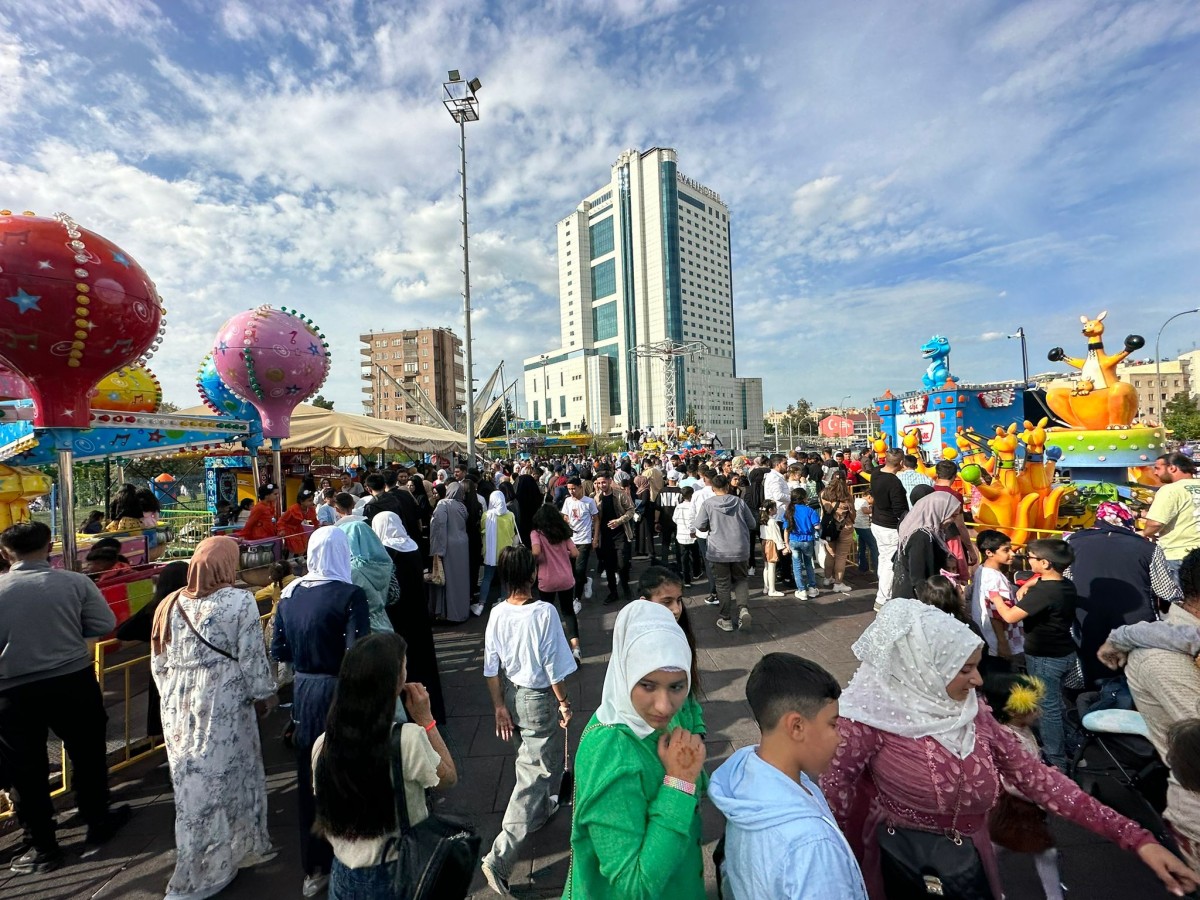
(1098, 400)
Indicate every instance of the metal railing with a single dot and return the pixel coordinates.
(133, 747)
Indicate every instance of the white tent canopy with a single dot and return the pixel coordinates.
(314, 428)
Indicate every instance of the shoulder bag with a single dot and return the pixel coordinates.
(188, 622)
(919, 864)
(436, 859)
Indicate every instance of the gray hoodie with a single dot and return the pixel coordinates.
(729, 523)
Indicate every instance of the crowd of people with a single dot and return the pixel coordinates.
(951, 743)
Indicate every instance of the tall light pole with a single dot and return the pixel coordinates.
(460, 101)
(1020, 335)
(1158, 361)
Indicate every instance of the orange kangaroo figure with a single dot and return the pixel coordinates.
(1037, 477)
(1003, 507)
(911, 442)
(1098, 400)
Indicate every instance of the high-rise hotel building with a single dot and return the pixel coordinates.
(644, 264)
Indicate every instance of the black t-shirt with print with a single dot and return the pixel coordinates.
(1051, 610)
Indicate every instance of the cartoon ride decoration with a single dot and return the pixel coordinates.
(1098, 400)
(1100, 444)
(73, 308)
(220, 399)
(937, 351)
(274, 359)
(1021, 502)
(19, 485)
(13, 386)
(129, 389)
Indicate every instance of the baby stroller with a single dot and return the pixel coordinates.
(1116, 762)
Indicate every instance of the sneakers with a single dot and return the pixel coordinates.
(34, 862)
(575, 653)
(477, 609)
(495, 880)
(842, 588)
(776, 594)
(724, 624)
(743, 618)
(587, 588)
(314, 884)
(752, 571)
(116, 819)
(813, 593)
(578, 607)
(801, 594)
(712, 600)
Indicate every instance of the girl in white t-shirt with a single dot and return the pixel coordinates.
(352, 775)
(773, 544)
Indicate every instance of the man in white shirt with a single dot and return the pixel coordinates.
(775, 486)
(583, 515)
(699, 495)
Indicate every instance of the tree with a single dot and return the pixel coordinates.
(168, 407)
(320, 401)
(1182, 417)
(689, 418)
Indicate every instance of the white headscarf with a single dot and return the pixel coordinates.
(496, 508)
(392, 532)
(909, 654)
(646, 638)
(328, 559)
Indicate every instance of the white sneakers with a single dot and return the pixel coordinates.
(801, 595)
(841, 588)
(813, 593)
(477, 609)
(578, 607)
(775, 594)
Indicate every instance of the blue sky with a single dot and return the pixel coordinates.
(893, 169)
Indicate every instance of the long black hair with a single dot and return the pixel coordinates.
(549, 521)
(354, 768)
(125, 504)
(173, 577)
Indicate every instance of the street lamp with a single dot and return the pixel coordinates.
(460, 101)
(1020, 335)
(1158, 359)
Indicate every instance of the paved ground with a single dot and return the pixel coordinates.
(139, 861)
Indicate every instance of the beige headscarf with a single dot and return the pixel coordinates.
(214, 566)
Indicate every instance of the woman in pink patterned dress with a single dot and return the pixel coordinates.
(919, 750)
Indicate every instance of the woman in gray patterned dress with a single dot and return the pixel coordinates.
(210, 666)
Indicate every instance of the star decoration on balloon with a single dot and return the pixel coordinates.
(314, 349)
(155, 436)
(25, 301)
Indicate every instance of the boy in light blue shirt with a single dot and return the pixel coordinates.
(781, 839)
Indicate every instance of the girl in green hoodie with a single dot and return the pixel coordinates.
(636, 826)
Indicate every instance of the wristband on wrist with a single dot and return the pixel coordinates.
(432, 725)
(679, 784)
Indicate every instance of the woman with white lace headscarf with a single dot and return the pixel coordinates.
(921, 752)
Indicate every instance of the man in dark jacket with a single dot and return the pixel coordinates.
(47, 684)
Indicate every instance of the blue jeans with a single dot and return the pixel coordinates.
(802, 564)
(367, 883)
(868, 550)
(1051, 726)
(489, 581)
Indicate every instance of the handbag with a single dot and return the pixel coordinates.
(437, 574)
(435, 859)
(918, 864)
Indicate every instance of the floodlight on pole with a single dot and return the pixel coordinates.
(1162, 404)
(462, 104)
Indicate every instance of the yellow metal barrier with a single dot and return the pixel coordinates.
(145, 745)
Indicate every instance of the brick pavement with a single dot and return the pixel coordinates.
(140, 859)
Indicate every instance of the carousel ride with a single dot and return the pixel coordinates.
(1033, 460)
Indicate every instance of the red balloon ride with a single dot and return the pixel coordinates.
(74, 307)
